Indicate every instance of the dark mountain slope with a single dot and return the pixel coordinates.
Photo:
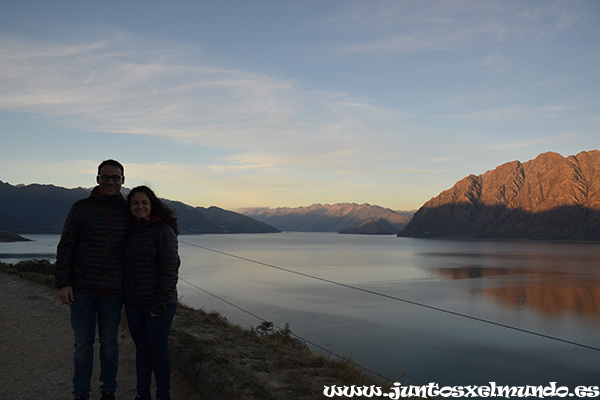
(36, 208)
(236, 222)
(372, 227)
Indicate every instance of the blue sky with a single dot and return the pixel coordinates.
(289, 103)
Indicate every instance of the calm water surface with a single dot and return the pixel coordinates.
(549, 288)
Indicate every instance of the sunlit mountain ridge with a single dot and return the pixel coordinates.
(548, 198)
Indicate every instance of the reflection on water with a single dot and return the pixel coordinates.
(548, 292)
(550, 279)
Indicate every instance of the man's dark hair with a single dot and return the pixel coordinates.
(112, 163)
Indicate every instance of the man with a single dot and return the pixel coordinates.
(89, 277)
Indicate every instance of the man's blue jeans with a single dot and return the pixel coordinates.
(87, 311)
(151, 338)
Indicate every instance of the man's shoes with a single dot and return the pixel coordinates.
(107, 396)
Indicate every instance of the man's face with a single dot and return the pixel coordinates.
(110, 180)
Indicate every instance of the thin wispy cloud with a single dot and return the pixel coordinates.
(432, 26)
(517, 113)
(114, 87)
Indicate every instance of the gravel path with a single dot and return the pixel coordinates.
(36, 348)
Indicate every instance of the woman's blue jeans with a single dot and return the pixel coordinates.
(151, 338)
(87, 311)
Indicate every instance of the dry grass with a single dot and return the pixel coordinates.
(260, 363)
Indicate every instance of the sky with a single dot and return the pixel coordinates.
(290, 103)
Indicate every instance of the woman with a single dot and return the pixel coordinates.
(151, 265)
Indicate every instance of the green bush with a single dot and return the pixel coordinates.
(44, 267)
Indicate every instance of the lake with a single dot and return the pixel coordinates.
(402, 306)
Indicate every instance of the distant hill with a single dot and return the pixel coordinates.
(548, 198)
(12, 237)
(43, 208)
(327, 218)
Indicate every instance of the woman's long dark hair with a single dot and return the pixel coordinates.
(157, 207)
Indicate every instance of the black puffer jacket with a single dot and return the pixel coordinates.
(88, 254)
(151, 265)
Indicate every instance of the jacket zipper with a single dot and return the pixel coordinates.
(107, 255)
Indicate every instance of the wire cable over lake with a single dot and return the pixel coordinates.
(387, 296)
(345, 359)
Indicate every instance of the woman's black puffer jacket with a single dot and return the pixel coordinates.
(151, 265)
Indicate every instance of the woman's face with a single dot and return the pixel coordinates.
(140, 206)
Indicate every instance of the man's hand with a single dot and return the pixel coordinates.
(65, 294)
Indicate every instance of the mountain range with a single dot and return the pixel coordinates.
(340, 217)
(43, 208)
(548, 198)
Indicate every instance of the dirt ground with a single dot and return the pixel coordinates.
(36, 348)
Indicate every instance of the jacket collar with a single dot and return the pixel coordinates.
(152, 220)
(98, 195)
